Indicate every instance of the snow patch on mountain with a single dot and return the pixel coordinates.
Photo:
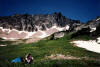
(12, 39)
(93, 29)
(98, 19)
(15, 34)
(90, 45)
(43, 34)
(2, 45)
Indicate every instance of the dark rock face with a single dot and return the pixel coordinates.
(32, 23)
(97, 31)
(83, 31)
(91, 28)
(94, 22)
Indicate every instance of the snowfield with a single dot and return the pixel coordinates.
(90, 45)
(15, 34)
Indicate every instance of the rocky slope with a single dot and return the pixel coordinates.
(39, 26)
(91, 28)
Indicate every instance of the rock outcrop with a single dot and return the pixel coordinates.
(58, 35)
(91, 28)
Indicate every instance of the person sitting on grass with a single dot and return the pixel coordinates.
(28, 59)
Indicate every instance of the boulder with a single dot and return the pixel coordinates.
(58, 35)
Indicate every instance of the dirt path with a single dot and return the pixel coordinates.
(60, 56)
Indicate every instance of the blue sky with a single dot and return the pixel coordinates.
(83, 10)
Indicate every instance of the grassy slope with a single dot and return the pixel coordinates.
(45, 48)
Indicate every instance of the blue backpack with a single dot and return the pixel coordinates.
(16, 60)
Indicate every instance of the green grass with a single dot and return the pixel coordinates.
(66, 63)
(84, 37)
(44, 48)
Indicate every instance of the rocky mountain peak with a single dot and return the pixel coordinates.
(32, 23)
